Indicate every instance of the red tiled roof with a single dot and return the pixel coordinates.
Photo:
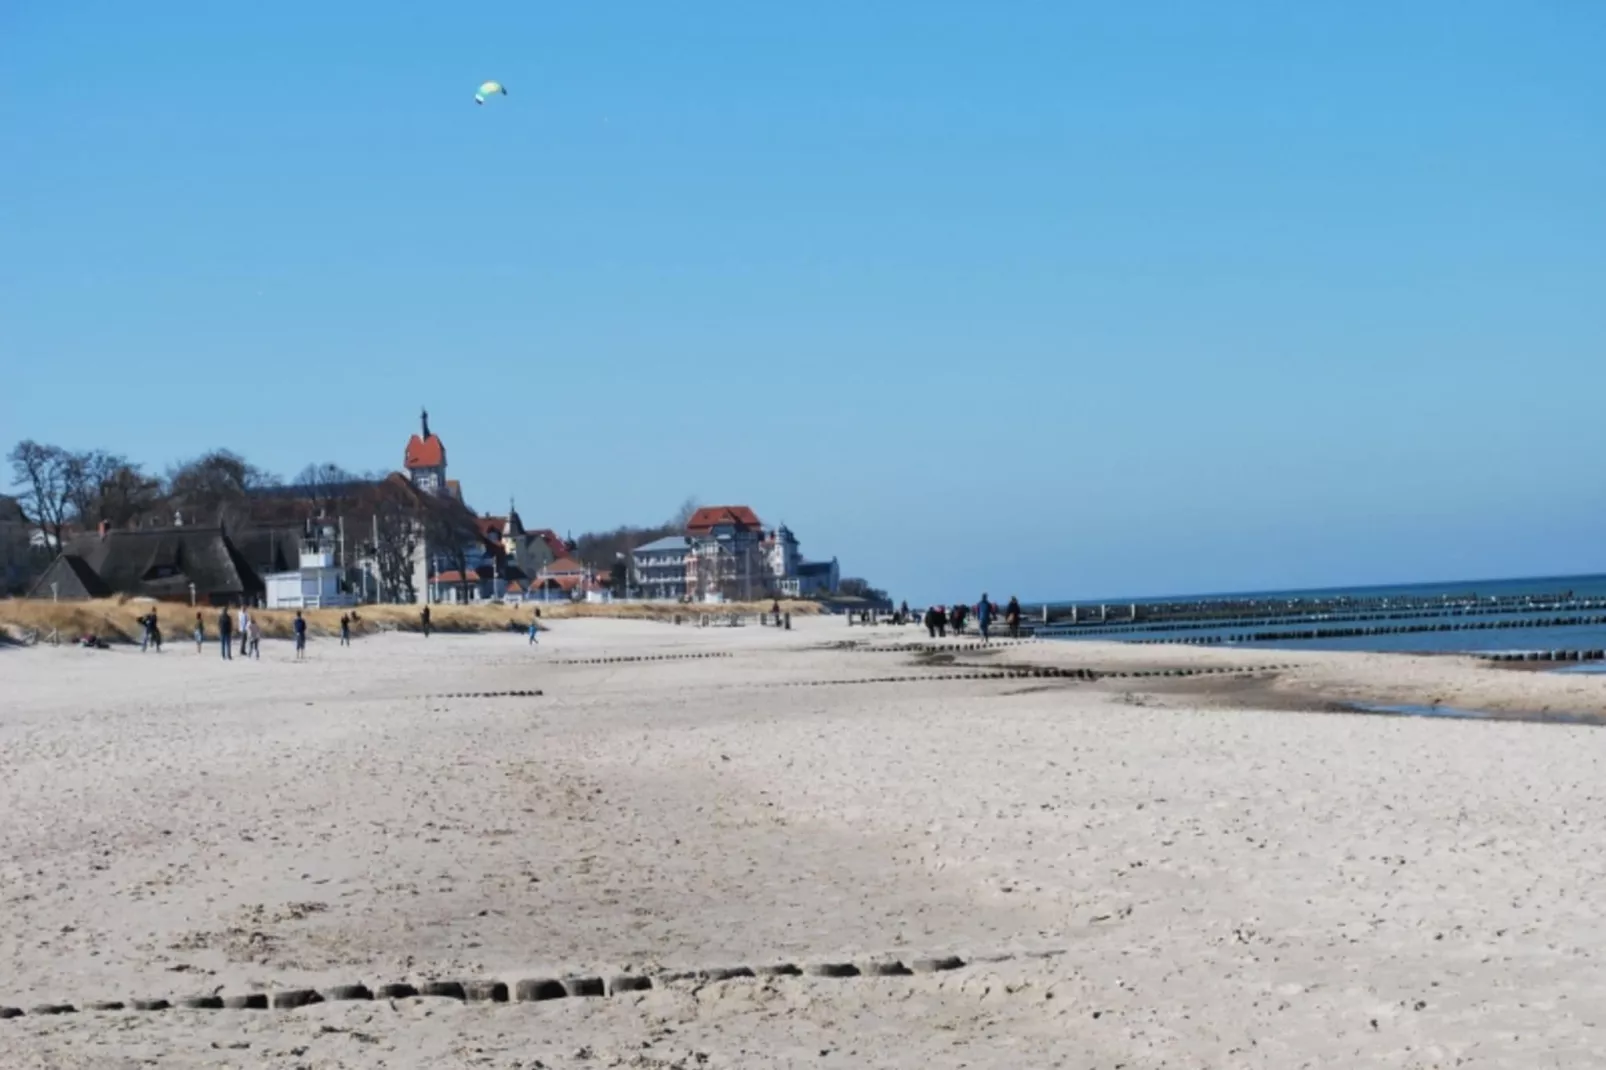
(492, 526)
(562, 566)
(708, 517)
(455, 488)
(425, 452)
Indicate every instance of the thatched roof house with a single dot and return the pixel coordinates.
(160, 563)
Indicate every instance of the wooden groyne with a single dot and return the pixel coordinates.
(1117, 619)
(1296, 634)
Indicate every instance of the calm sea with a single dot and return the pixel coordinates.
(1517, 632)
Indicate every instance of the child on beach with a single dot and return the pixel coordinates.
(300, 628)
(200, 633)
(254, 638)
(345, 629)
(533, 640)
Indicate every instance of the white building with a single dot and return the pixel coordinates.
(316, 585)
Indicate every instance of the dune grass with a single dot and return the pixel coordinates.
(116, 620)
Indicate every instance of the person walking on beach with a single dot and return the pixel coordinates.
(300, 629)
(225, 633)
(345, 630)
(533, 629)
(1012, 617)
(254, 634)
(424, 620)
(245, 629)
(200, 633)
(942, 622)
(984, 617)
(956, 617)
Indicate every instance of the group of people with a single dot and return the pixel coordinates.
(243, 622)
(939, 619)
(250, 633)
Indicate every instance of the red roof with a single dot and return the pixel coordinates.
(491, 526)
(561, 566)
(425, 452)
(552, 540)
(708, 517)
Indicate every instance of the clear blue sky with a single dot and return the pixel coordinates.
(1043, 298)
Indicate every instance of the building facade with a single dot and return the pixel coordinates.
(659, 568)
(725, 559)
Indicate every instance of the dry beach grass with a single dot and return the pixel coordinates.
(117, 619)
(1225, 887)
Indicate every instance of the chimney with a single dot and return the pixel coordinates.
(105, 526)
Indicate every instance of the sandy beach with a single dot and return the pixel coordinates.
(1210, 871)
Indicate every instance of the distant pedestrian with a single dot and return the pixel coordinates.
(225, 633)
(245, 629)
(146, 626)
(300, 629)
(984, 617)
(1012, 617)
(533, 629)
(200, 633)
(942, 622)
(254, 635)
(345, 630)
(956, 617)
(424, 620)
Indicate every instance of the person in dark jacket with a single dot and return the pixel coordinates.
(984, 617)
(300, 629)
(225, 633)
(1012, 617)
(424, 620)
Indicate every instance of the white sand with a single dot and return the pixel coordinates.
(1229, 888)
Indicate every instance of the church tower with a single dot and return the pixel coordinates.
(426, 459)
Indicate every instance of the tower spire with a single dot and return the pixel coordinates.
(424, 417)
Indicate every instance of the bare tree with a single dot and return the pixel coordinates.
(398, 532)
(325, 485)
(683, 515)
(451, 533)
(114, 490)
(215, 487)
(50, 479)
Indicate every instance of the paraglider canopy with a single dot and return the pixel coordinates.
(489, 89)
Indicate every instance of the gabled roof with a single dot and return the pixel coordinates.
(561, 566)
(709, 517)
(553, 540)
(491, 526)
(425, 452)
